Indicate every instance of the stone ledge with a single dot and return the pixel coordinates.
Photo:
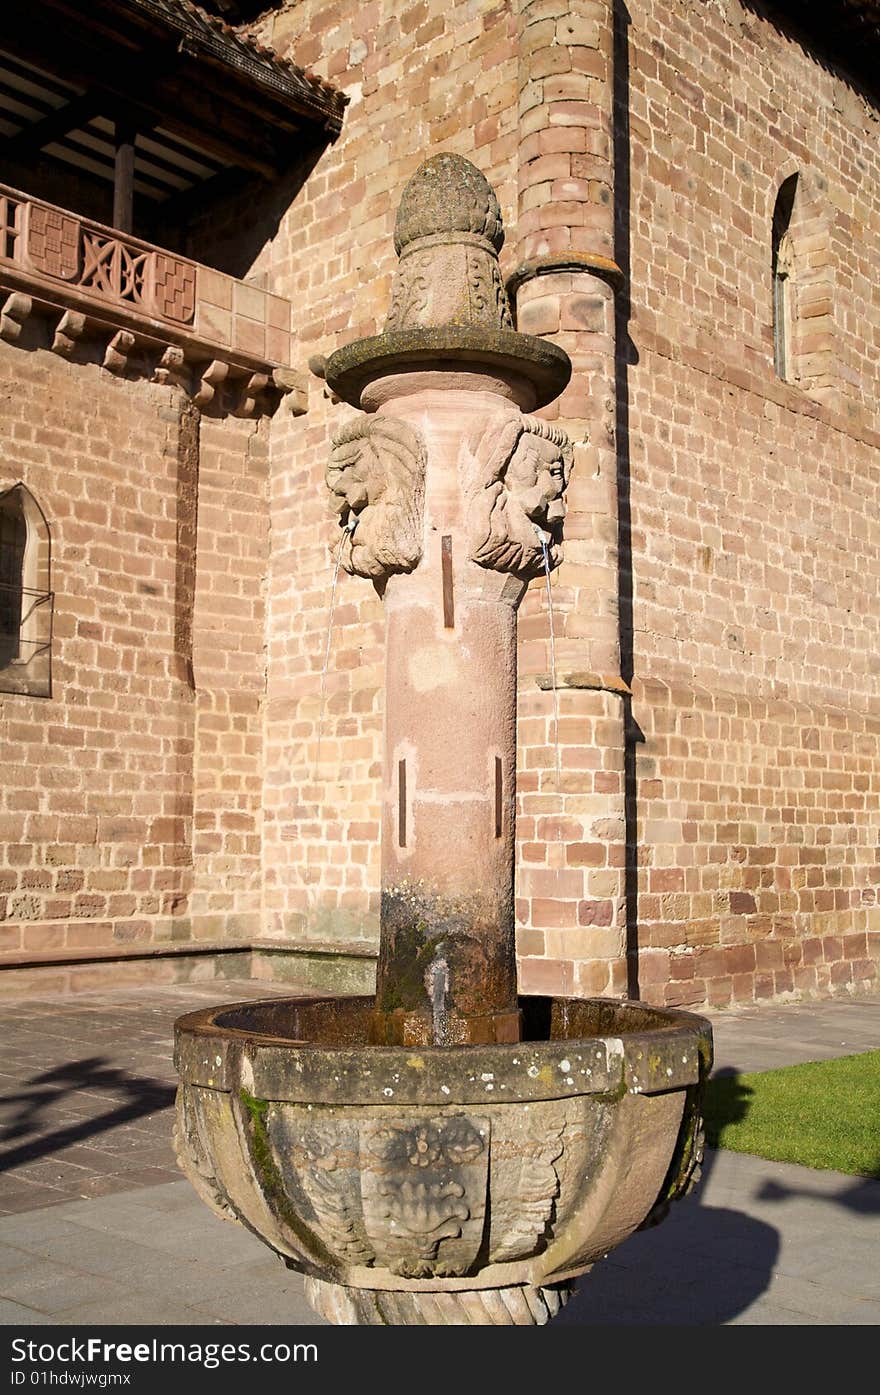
(36, 980)
(51, 958)
(584, 679)
(593, 263)
(330, 969)
(359, 949)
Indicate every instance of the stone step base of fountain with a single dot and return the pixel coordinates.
(518, 1306)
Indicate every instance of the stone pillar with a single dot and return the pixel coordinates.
(450, 768)
(451, 496)
(572, 898)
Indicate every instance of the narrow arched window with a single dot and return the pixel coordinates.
(784, 282)
(13, 541)
(26, 600)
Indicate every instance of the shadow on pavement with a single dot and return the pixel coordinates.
(862, 1197)
(29, 1127)
(702, 1265)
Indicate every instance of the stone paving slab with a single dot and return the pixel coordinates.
(766, 1038)
(87, 1090)
(760, 1243)
(155, 1255)
(96, 1225)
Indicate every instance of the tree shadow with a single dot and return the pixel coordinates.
(862, 1196)
(27, 1111)
(701, 1267)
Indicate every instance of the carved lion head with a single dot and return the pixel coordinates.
(523, 472)
(376, 476)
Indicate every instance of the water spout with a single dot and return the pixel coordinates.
(437, 984)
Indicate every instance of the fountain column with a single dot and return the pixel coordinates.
(449, 487)
(438, 1181)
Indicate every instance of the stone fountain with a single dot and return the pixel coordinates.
(444, 1153)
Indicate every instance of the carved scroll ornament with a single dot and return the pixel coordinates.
(377, 478)
(522, 472)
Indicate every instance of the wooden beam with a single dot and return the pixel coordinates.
(168, 86)
(50, 128)
(123, 177)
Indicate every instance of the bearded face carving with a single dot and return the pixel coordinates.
(377, 479)
(522, 476)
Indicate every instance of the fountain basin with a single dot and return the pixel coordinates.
(471, 1184)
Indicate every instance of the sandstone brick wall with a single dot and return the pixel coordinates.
(571, 879)
(754, 573)
(130, 804)
(194, 777)
(755, 560)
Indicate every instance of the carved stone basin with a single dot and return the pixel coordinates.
(434, 1185)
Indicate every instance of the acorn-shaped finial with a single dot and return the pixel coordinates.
(448, 235)
(447, 194)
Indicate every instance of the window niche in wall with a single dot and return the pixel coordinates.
(783, 281)
(803, 302)
(26, 600)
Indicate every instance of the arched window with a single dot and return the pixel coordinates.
(13, 542)
(784, 283)
(26, 600)
(804, 332)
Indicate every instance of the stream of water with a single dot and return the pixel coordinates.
(544, 539)
(347, 532)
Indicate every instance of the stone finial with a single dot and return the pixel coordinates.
(448, 235)
(448, 195)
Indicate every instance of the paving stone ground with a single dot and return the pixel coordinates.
(96, 1225)
(87, 1089)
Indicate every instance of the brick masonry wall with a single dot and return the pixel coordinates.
(755, 562)
(754, 572)
(105, 782)
(183, 783)
(571, 869)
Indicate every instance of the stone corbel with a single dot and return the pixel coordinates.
(293, 387)
(16, 309)
(119, 351)
(172, 369)
(251, 393)
(70, 328)
(212, 378)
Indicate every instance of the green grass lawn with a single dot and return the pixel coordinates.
(824, 1114)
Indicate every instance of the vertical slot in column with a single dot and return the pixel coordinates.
(446, 570)
(401, 803)
(499, 795)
